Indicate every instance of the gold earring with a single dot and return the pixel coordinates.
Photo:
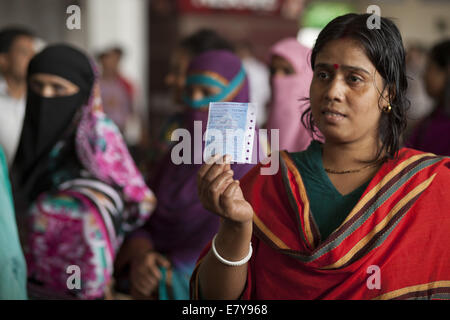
(387, 108)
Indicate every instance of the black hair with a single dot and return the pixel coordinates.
(384, 48)
(440, 55)
(8, 35)
(204, 40)
(116, 49)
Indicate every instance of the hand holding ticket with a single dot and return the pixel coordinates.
(230, 130)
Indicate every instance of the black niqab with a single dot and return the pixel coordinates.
(49, 120)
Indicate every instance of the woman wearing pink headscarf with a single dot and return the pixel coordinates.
(291, 76)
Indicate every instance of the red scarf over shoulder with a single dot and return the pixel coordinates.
(394, 244)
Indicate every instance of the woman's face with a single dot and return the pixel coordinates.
(201, 91)
(434, 78)
(175, 79)
(345, 93)
(51, 86)
(280, 67)
(16, 60)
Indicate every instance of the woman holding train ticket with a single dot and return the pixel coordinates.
(356, 217)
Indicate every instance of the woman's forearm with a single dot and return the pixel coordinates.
(220, 281)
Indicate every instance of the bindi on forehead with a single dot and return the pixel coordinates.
(335, 66)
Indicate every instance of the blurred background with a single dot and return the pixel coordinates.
(148, 31)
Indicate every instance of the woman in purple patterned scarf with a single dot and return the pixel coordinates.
(160, 257)
(73, 168)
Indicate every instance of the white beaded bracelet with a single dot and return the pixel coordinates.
(227, 262)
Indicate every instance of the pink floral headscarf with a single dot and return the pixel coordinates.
(103, 152)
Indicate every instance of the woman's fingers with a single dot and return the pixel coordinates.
(154, 273)
(201, 173)
(156, 277)
(204, 169)
(217, 187)
(215, 160)
(208, 173)
(162, 261)
(227, 199)
(142, 283)
(208, 164)
(221, 194)
(211, 162)
(145, 273)
(141, 288)
(216, 169)
(227, 164)
(231, 189)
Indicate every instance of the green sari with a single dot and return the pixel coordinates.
(13, 270)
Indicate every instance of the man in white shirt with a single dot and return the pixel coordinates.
(16, 50)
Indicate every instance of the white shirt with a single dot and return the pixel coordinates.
(259, 82)
(12, 112)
